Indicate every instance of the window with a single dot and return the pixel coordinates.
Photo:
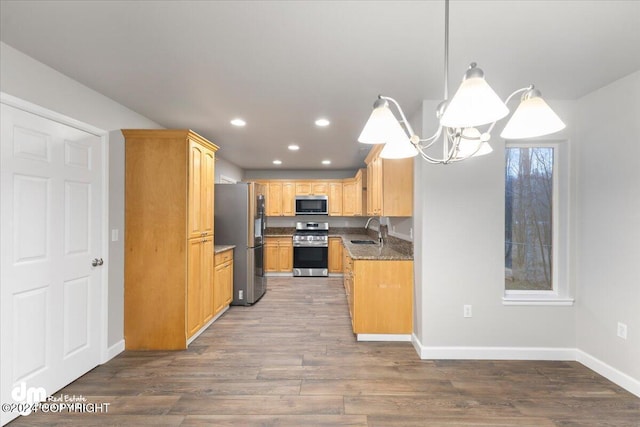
(536, 224)
(529, 195)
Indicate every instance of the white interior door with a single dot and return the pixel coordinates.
(51, 226)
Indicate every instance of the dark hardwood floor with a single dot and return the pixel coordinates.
(291, 360)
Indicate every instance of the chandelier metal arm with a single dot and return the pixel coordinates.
(404, 120)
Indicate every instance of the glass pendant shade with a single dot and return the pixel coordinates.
(398, 149)
(532, 118)
(473, 104)
(381, 126)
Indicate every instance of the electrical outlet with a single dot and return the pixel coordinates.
(466, 311)
(240, 294)
(622, 330)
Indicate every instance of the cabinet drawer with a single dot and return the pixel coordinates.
(223, 257)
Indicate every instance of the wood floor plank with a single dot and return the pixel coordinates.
(292, 360)
(276, 420)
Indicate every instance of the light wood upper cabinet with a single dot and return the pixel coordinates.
(335, 198)
(349, 197)
(335, 255)
(311, 188)
(389, 185)
(345, 196)
(201, 185)
(274, 199)
(288, 199)
(354, 195)
(169, 201)
(280, 198)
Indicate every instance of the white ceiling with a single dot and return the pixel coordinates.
(282, 64)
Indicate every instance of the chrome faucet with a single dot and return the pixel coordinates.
(366, 227)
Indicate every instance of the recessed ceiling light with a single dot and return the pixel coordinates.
(293, 147)
(277, 162)
(238, 122)
(326, 162)
(322, 122)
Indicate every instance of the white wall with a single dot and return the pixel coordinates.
(30, 80)
(459, 245)
(608, 227)
(227, 169)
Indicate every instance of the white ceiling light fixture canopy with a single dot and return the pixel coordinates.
(474, 104)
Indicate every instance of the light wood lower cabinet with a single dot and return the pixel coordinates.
(335, 255)
(223, 285)
(380, 295)
(278, 255)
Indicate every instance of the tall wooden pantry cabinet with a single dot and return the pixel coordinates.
(169, 253)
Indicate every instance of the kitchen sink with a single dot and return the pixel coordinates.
(363, 242)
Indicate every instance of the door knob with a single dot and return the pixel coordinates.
(97, 261)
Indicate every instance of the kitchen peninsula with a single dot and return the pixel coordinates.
(378, 281)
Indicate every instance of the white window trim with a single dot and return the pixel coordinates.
(559, 295)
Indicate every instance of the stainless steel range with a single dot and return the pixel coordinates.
(311, 249)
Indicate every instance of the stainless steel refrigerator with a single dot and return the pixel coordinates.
(239, 220)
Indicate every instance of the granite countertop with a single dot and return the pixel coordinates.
(396, 250)
(221, 248)
(279, 231)
(393, 248)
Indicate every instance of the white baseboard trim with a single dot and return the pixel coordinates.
(625, 381)
(383, 337)
(609, 372)
(113, 351)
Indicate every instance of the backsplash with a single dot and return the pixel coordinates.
(334, 221)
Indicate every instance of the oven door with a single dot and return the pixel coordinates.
(311, 261)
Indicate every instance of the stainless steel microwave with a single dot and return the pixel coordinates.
(312, 205)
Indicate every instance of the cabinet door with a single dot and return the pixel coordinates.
(194, 285)
(271, 254)
(397, 185)
(376, 191)
(285, 255)
(207, 189)
(228, 284)
(288, 198)
(335, 255)
(335, 199)
(303, 188)
(208, 280)
(361, 193)
(349, 198)
(320, 188)
(274, 202)
(195, 215)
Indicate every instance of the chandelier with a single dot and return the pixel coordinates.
(465, 121)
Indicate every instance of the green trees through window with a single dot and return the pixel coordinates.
(529, 218)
